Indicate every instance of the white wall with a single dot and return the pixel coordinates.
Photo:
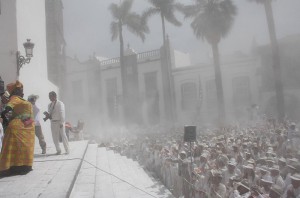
(31, 23)
(181, 59)
(8, 40)
(204, 73)
(76, 71)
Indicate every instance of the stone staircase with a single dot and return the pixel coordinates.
(116, 176)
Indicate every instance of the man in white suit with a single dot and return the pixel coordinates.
(56, 113)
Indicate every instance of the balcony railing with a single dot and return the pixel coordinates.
(110, 61)
(140, 56)
(149, 54)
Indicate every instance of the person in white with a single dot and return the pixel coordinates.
(276, 177)
(38, 129)
(56, 113)
(293, 190)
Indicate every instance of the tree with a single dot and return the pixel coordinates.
(166, 9)
(123, 17)
(211, 21)
(275, 57)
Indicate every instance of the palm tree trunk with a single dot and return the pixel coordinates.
(167, 76)
(276, 60)
(163, 28)
(219, 86)
(123, 74)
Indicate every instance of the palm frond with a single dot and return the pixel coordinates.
(133, 22)
(125, 7)
(191, 11)
(114, 30)
(155, 3)
(179, 7)
(115, 11)
(212, 20)
(149, 12)
(172, 19)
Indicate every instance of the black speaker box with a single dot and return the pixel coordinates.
(189, 134)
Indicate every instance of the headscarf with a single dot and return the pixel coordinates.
(12, 86)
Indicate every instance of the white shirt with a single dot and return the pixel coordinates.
(57, 111)
(278, 181)
(36, 114)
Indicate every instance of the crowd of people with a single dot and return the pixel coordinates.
(19, 123)
(232, 162)
(229, 162)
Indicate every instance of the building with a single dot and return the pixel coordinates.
(193, 88)
(55, 43)
(25, 20)
(290, 72)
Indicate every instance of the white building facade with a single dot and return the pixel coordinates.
(194, 97)
(22, 20)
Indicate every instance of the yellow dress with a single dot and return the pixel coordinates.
(19, 137)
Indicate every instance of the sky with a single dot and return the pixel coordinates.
(87, 32)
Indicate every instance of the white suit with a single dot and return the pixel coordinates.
(57, 111)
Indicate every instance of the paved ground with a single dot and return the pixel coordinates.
(60, 176)
(53, 175)
(106, 174)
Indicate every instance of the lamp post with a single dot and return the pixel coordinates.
(21, 60)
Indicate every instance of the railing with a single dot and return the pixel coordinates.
(148, 54)
(110, 61)
(143, 55)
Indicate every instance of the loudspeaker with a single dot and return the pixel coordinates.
(189, 134)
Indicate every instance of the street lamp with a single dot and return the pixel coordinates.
(21, 60)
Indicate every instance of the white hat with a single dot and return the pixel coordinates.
(267, 179)
(296, 177)
(32, 96)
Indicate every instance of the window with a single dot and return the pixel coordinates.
(211, 94)
(152, 97)
(111, 98)
(189, 96)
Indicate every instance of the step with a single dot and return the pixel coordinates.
(85, 183)
(108, 186)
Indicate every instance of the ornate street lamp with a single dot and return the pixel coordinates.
(21, 60)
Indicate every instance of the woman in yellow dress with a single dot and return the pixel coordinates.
(18, 143)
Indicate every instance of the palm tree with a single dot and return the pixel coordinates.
(123, 17)
(211, 21)
(166, 9)
(276, 57)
